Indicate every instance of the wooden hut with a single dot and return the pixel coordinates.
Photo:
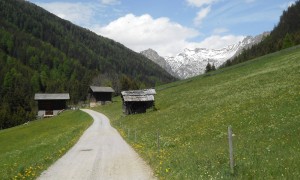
(137, 101)
(100, 95)
(51, 104)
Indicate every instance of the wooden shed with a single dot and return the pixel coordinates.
(51, 104)
(100, 95)
(137, 101)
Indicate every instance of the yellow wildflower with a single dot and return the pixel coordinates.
(168, 170)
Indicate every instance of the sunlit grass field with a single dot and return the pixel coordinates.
(260, 99)
(27, 150)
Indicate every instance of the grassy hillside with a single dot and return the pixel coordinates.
(27, 150)
(259, 98)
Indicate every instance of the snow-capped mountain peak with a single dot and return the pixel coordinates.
(192, 62)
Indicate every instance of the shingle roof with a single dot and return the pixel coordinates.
(139, 92)
(102, 89)
(139, 95)
(138, 98)
(53, 96)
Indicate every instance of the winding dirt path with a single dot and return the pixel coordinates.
(100, 153)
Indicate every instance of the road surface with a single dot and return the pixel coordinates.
(100, 153)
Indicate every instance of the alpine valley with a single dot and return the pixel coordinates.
(192, 62)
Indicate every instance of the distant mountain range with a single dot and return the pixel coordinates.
(192, 62)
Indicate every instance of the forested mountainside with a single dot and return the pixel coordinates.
(284, 35)
(40, 52)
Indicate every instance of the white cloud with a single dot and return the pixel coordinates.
(143, 32)
(78, 13)
(110, 2)
(200, 3)
(203, 12)
(201, 15)
(166, 37)
(220, 30)
(217, 41)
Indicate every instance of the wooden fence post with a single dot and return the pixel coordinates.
(158, 146)
(230, 149)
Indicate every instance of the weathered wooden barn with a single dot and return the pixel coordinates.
(100, 95)
(137, 101)
(51, 104)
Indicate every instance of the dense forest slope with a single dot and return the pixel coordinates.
(40, 52)
(284, 35)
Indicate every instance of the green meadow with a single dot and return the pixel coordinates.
(260, 99)
(27, 150)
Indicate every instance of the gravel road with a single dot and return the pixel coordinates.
(100, 153)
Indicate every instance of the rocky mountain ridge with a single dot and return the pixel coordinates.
(155, 57)
(192, 62)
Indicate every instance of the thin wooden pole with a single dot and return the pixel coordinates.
(135, 135)
(158, 146)
(230, 149)
(128, 132)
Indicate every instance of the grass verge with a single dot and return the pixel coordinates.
(27, 150)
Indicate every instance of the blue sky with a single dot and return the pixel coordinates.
(169, 26)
